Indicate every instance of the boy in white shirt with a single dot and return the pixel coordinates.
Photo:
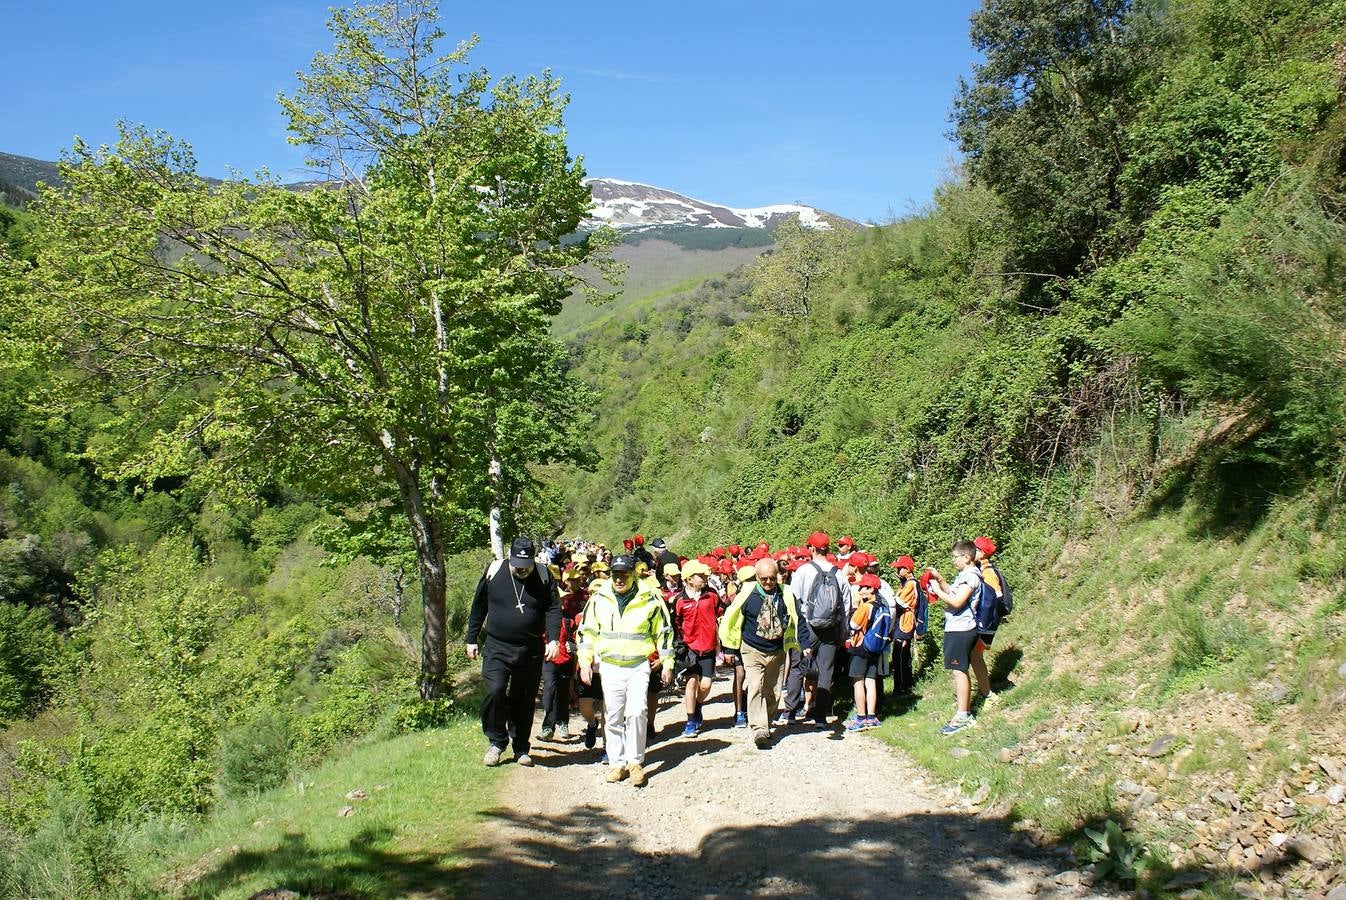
(960, 629)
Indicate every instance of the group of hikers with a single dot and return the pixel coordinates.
(610, 632)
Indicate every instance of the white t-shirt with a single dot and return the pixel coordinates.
(963, 619)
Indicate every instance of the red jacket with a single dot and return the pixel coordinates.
(695, 621)
(572, 605)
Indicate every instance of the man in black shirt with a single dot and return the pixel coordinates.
(517, 603)
(663, 556)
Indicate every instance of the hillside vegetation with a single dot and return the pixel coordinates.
(1113, 340)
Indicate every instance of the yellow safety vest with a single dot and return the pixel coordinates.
(625, 638)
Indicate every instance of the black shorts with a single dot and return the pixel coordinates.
(593, 690)
(986, 638)
(863, 665)
(958, 649)
(704, 666)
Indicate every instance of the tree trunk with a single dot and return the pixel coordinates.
(430, 565)
(497, 539)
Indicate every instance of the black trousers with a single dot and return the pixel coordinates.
(793, 701)
(903, 681)
(556, 679)
(828, 659)
(510, 674)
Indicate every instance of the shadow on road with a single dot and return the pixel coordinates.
(890, 856)
(585, 852)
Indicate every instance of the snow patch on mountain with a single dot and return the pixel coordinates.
(630, 204)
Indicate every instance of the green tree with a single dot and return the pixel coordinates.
(1042, 119)
(380, 336)
(786, 279)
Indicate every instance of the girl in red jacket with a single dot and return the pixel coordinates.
(696, 615)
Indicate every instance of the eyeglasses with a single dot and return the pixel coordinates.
(766, 578)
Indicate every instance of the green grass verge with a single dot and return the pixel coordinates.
(425, 792)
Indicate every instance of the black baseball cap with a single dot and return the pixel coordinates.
(658, 543)
(521, 553)
(622, 563)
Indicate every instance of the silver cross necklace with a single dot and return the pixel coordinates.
(517, 586)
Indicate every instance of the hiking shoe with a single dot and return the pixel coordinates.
(741, 720)
(637, 772)
(547, 734)
(689, 730)
(762, 738)
(524, 760)
(590, 735)
(492, 757)
(872, 722)
(563, 732)
(987, 699)
(783, 720)
(855, 726)
(956, 725)
(617, 774)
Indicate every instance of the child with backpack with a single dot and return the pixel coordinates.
(910, 621)
(871, 628)
(993, 605)
(960, 629)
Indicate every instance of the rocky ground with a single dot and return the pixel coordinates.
(817, 814)
(1273, 822)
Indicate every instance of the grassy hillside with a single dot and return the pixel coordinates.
(657, 268)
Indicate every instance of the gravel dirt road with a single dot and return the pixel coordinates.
(817, 814)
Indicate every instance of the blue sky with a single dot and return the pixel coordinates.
(742, 103)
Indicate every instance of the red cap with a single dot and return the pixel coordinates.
(735, 549)
(726, 567)
(847, 541)
(764, 547)
(781, 555)
(717, 552)
(628, 544)
(925, 579)
(640, 540)
(859, 559)
(869, 581)
(796, 565)
(905, 562)
(985, 545)
(819, 540)
(832, 559)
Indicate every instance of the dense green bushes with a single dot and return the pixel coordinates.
(1150, 222)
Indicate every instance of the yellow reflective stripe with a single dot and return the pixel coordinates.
(621, 660)
(624, 636)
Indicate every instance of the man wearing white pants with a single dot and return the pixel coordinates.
(625, 713)
(624, 623)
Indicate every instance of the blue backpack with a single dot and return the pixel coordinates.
(1005, 603)
(879, 633)
(986, 608)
